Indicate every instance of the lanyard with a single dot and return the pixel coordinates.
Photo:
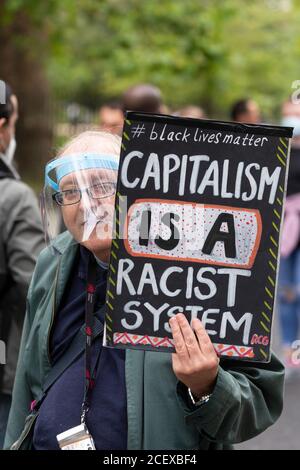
(89, 375)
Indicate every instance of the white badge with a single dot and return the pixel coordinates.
(77, 438)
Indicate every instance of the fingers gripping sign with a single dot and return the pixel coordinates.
(195, 362)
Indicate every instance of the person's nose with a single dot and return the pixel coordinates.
(87, 203)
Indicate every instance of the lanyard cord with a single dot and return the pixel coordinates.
(89, 326)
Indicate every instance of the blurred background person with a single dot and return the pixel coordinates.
(165, 109)
(21, 240)
(111, 117)
(289, 274)
(247, 111)
(191, 111)
(143, 98)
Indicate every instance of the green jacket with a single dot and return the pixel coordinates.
(246, 400)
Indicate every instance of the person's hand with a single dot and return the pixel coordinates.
(195, 362)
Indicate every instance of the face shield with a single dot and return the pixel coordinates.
(78, 196)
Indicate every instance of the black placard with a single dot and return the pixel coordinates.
(199, 208)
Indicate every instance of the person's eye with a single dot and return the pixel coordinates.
(99, 188)
(109, 186)
(70, 193)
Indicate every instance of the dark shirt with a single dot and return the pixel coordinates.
(61, 409)
(294, 172)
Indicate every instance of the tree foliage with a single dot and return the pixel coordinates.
(197, 51)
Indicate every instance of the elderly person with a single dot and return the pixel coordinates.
(121, 399)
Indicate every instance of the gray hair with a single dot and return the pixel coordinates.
(91, 141)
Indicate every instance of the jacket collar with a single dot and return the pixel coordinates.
(63, 242)
(6, 170)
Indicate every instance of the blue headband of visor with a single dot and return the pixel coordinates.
(70, 163)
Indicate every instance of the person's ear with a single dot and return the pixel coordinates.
(2, 123)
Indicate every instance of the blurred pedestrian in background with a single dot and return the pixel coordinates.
(247, 111)
(289, 274)
(21, 240)
(191, 111)
(111, 117)
(143, 98)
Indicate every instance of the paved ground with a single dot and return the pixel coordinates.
(285, 434)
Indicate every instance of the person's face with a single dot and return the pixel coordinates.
(290, 109)
(8, 129)
(90, 221)
(111, 118)
(252, 116)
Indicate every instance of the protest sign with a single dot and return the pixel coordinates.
(199, 208)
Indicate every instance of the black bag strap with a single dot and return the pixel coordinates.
(76, 348)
